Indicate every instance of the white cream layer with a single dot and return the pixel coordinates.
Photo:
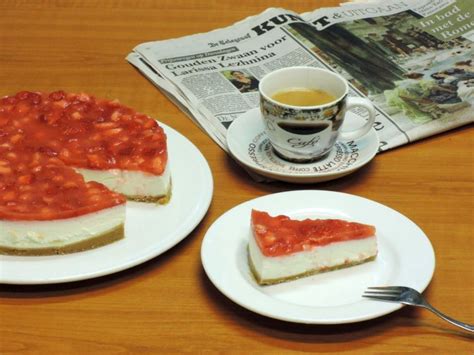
(60, 232)
(131, 183)
(318, 258)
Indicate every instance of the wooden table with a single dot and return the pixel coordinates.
(168, 304)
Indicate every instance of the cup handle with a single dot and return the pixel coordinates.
(359, 132)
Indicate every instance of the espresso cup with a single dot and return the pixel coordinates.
(308, 133)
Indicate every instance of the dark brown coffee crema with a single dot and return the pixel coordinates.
(303, 97)
(303, 128)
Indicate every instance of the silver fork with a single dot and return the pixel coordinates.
(409, 296)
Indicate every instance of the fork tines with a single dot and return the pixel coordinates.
(391, 288)
(389, 293)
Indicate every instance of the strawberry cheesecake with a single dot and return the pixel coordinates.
(283, 249)
(68, 163)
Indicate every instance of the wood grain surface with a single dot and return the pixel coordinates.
(168, 305)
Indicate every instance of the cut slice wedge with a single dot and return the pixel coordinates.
(282, 249)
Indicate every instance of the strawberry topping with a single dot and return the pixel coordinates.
(281, 235)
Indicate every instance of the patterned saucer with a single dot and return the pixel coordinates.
(248, 143)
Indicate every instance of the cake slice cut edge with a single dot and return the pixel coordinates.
(134, 185)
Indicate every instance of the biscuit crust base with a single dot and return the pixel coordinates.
(161, 200)
(91, 243)
(266, 282)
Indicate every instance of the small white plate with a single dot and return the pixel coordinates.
(150, 229)
(405, 258)
(248, 143)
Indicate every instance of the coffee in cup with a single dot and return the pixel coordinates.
(303, 97)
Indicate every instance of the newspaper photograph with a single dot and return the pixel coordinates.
(412, 59)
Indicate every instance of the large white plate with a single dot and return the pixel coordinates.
(150, 229)
(405, 257)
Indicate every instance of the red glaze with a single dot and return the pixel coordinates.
(281, 235)
(42, 134)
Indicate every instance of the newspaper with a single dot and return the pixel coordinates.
(412, 59)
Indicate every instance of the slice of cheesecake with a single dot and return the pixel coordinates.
(283, 249)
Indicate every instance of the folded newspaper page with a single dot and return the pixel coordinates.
(412, 59)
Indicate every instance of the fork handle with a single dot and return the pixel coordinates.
(465, 326)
